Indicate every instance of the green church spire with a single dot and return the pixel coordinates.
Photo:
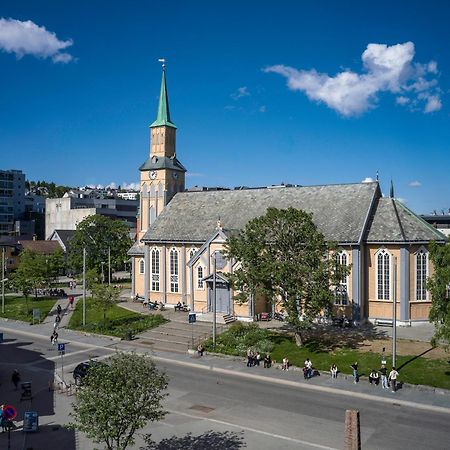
(391, 193)
(163, 116)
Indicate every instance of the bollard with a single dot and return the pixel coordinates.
(352, 435)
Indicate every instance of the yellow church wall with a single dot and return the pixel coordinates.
(139, 280)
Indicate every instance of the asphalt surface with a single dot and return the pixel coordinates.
(218, 403)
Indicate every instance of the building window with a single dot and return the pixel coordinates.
(421, 275)
(341, 292)
(173, 270)
(155, 270)
(200, 282)
(192, 253)
(141, 267)
(383, 275)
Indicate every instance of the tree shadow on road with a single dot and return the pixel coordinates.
(210, 440)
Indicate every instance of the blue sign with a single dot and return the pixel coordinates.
(61, 347)
(30, 421)
(192, 317)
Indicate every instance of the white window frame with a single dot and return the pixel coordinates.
(422, 251)
(174, 270)
(200, 285)
(389, 273)
(342, 259)
(155, 263)
(141, 266)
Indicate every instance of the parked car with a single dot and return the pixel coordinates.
(81, 371)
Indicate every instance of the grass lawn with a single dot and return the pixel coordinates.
(119, 320)
(16, 307)
(412, 368)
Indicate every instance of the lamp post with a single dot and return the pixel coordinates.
(214, 301)
(394, 317)
(3, 280)
(109, 265)
(84, 286)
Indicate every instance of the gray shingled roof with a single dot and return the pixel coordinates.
(136, 250)
(339, 211)
(394, 222)
(162, 162)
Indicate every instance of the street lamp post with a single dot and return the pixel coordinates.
(3, 280)
(214, 301)
(84, 286)
(394, 317)
(109, 265)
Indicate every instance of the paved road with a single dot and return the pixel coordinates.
(220, 409)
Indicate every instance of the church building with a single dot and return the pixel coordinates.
(181, 236)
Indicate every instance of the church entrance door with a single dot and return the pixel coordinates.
(222, 297)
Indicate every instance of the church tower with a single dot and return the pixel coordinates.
(162, 175)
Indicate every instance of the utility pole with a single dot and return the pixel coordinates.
(214, 302)
(394, 317)
(3, 280)
(109, 266)
(84, 286)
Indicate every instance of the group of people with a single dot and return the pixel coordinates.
(181, 307)
(155, 305)
(375, 376)
(72, 284)
(254, 359)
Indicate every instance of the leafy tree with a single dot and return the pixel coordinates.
(283, 257)
(104, 298)
(92, 278)
(31, 273)
(55, 264)
(98, 234)
(439, 286)
(119, 398)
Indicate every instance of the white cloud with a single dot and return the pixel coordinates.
(401, 200)
(385, 69)
(131, 186)
(367, 180)
(27, 38)
(262, 108)
(433, 104)
(194, 174)
(241, 92)
(415, 183)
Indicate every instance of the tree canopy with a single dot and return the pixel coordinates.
(439, 286)
(98, 234)
(284, 258)
(104, 298)
(118, 398)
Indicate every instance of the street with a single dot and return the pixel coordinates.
(211, 409)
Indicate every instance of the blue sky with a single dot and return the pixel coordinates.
(261, 92)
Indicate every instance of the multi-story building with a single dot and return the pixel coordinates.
(67, 212)
(12, 199)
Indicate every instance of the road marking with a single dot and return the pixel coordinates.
(253, 430)
(67, 354)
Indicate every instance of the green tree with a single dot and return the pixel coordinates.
(104, 298)
(98, 234)
(118, 398)
(55, 264)
(283, 257)
(31, 273)
(439, 286)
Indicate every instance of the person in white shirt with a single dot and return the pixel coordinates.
(333, 371)
(308, 366)
(393, 379)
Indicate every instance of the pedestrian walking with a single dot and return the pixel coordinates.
(15, 378)
(267, 361)
(285, 365)
(374, 377)
(393, 379)
(54, 337)
(333, 370)
(71, 298)
(383, 376)
(200, 350)
(249, 357)
(354, 367)
(58, 309)
(257, 358)
(70, 285)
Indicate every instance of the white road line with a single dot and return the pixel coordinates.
(254, 430)
(67, 354)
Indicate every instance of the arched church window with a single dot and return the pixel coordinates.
(174, 275)
(192, 253)
(155, 270)
(383, 275)
(421, 274)
(141, 267)
(341, 291)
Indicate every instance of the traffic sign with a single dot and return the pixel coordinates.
(192, 317)
(9, 412)
(61, 347)
(30, 421)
